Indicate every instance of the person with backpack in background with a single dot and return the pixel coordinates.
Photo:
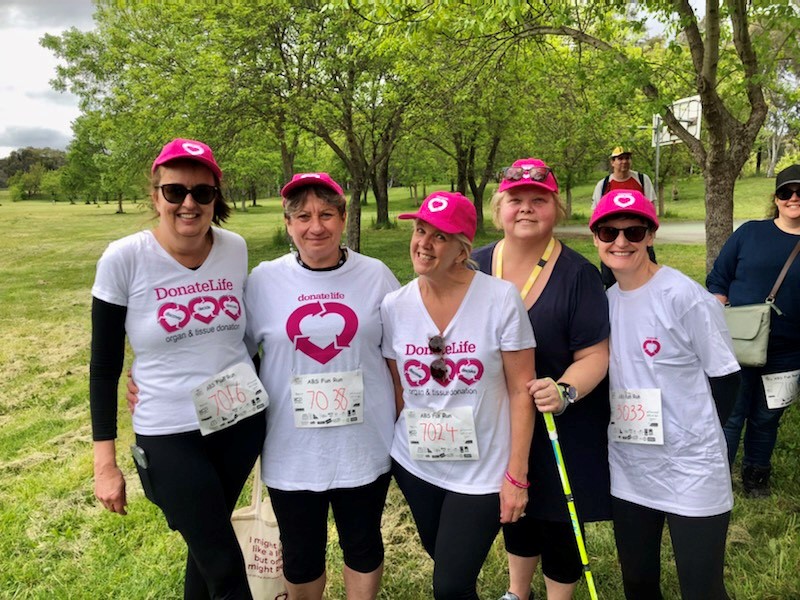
(622, 177)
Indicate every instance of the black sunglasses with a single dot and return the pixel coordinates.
(635, 233)
(438, 366)
(175, 193)
(787, 193)
(534, 173)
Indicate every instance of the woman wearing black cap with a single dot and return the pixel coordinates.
(744, 273)
(176, 291)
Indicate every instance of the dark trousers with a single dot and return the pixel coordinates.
(196, 480)
(698, 544)
(760, 423)
(457, 531)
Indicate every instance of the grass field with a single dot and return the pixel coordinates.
(55, 540)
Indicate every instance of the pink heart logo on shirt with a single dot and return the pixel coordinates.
(231, 307)
(651, 347)
(451, 371)
(469, 370)
(415, 373)
(204, 308)
(172, 316)
(343, 327)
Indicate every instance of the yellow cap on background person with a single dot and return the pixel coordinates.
(619, 151)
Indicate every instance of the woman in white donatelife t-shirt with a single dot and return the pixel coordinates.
(316, 315)
(465, 417)
(667, 452)
(177, 292)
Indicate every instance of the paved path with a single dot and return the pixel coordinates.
(680, 232)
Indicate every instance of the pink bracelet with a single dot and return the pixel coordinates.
(516, 483)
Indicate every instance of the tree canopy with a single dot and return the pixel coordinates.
(357, 88)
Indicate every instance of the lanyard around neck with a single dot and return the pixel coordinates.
(536, 270)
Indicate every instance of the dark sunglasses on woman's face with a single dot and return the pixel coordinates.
(175, 193)
(787, 193)
(634, 234)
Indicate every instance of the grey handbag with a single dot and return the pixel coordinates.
(749, 324)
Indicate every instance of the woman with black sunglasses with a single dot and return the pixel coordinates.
(460, 350)
(566, 304)
(671, 362)
(744, 273)
(177, 292)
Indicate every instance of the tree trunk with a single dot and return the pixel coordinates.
(719, 181)
(354, 214)
(568, 189)
(380, 187)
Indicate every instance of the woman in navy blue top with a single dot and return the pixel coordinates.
(567, 306)
(744, 273)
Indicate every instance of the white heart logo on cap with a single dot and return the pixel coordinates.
(624, 200)
(437, 204)
(192, 149)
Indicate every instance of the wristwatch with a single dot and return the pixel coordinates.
(568, 392)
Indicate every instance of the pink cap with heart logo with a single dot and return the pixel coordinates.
(304, 179)
(448, 211)
(624, 202)
(189, 150)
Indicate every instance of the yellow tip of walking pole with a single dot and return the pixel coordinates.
(552, 433)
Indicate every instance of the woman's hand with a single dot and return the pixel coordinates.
(546, 395)
(109, 483)
(513, 501)
(132, 395)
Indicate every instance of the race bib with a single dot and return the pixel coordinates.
(636, 417)
(328, 399)
(228, 397)
(781, 389)
(442, 434)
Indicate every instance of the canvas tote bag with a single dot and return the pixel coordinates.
(257, 531)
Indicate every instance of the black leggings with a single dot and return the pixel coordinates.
(196, 480)
(457, 531)
(303, 520)
(697, 542)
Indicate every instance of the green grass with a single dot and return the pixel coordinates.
(56, 542)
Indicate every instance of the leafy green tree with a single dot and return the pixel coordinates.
(729, 66)
(51, 184)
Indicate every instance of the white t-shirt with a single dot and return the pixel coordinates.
(670, 334)
(315, 322)
(184, 325)
(491, 319)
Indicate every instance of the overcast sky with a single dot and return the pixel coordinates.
(31, 113)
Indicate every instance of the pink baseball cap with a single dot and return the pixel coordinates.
(449, 212)
(624, 202)
(303, 179)
(189, 150)
(532, 172)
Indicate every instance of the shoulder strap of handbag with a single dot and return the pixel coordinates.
(782, 276)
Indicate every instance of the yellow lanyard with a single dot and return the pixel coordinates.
(536, 270)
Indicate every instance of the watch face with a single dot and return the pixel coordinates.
(570, 392)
